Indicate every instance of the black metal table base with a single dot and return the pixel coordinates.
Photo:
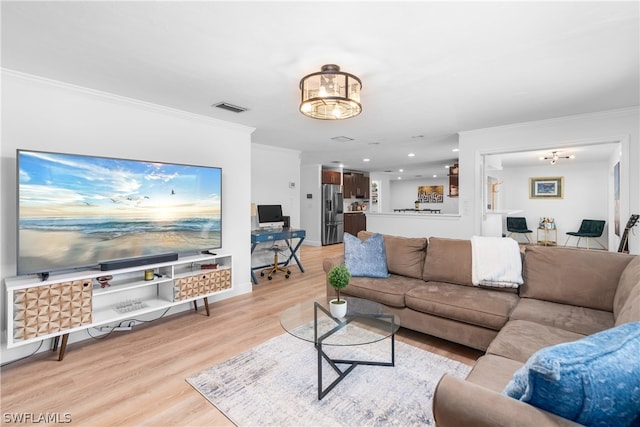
(351, 363)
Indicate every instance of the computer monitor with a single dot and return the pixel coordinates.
(270, 216)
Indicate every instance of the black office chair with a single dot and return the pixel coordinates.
(276, 266)
(518, 224)
(589, 229)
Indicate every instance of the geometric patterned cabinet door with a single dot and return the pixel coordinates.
(47, 309)
(202, 284)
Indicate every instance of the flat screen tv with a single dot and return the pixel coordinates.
(78, 211)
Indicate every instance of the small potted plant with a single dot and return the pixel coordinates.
(338, 278)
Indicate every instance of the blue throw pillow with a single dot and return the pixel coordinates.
(594, 381)
(365, 259)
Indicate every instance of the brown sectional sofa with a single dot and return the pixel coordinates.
(567, 294)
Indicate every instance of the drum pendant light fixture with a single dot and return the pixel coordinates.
(330, 94)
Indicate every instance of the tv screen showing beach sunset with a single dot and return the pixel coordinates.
(77, 211)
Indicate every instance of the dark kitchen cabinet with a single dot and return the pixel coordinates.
(330, 177)
(355, 222)
(356, 185)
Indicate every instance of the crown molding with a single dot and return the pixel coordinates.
(144, 105)
(586, 116)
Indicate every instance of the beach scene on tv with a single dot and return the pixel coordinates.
(80, 210)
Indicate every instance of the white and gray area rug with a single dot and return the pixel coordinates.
(275, 384)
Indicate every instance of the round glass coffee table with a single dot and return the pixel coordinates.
(366, 322)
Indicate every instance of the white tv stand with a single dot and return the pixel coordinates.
(71, 302)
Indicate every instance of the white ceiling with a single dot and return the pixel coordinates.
(429, 69)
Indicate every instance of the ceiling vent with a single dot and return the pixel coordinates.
(230, 107)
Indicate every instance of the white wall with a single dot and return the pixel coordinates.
(43, 115)
(586, 195)
(275, 180)
(405, 192)
(273, 172)
(310, 208)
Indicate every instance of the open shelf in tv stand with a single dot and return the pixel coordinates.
(71, 302)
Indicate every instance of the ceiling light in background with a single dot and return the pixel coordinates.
(435, 176)
(553, 159)
(455, 150)
(366, 160)
(400, 170)
(411, 155)
(342, 138)
(330, 94)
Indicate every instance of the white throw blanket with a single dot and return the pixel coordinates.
(496, 261)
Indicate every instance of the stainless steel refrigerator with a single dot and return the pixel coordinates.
(332, 214)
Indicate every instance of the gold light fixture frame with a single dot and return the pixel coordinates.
(330, 94)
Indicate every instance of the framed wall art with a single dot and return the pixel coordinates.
(430, 194)
(546, 187)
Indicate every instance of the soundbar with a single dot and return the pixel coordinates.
(116, 264)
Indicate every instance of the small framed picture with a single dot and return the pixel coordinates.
(546, 187)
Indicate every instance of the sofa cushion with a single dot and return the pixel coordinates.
(593, 381)
(365, 259)
(580, 320)
(448, 260)
(572, 276)
(629, 284)
(482, 307)
(631, 309)
(389, 291)
(405, 255)
(519, 339)
(493, 372)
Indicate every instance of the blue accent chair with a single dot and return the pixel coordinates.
(589, 229)
(518, 224)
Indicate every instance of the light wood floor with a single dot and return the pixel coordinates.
(138, 378)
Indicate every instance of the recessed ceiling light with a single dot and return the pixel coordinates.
(435, 176)
(399, 177)
(400, 170)
(455, 150)
(411, 155)
(366, 160)
(447, 166)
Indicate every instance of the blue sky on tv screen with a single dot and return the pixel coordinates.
(84, 188)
